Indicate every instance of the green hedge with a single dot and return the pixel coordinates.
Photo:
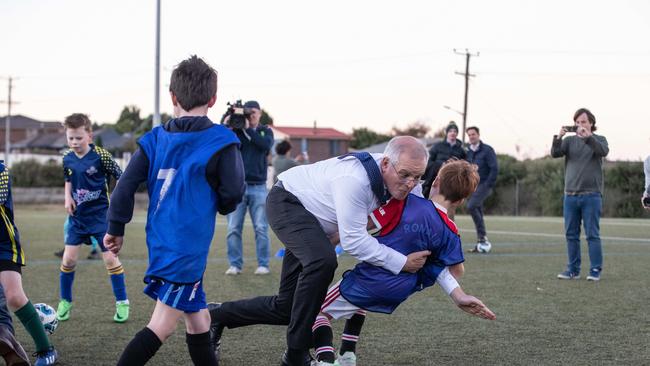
(540, 184)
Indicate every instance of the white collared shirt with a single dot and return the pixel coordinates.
(338, 193)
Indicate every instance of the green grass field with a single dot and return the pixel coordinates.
(540, 320)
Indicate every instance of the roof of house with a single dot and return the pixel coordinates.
(110, 140)
(20, 121)
(312, 133)
(42, 141)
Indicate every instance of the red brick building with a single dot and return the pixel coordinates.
(319, 143)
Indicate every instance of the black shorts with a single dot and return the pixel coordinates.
(7, 265)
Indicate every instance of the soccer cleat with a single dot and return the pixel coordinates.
(63, 310)
(121, 311)
(346, 359)
(594, 275)
(261, 270)
(94, 254)
(47, 357)
(233, 271)
(12, 352)
(216, 330)
(59, 253)
(568, 275)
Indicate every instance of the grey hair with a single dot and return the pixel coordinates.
(405, 144)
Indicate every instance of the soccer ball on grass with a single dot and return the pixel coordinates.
(47, 315)
(484, 247)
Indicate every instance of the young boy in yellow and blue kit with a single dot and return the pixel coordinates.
(87, 169)
(12, 259)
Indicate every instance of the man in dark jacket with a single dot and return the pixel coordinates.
(256, 142)
(484, 157)
(440, 152)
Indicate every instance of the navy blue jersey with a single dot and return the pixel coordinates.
(89, 177)
(182, 204)
(421, 226)
(10, 248)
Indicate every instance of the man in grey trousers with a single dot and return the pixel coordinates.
(583, 186)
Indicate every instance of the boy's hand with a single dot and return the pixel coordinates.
(471, 305)
(335, 238)
(113, 243)
(70, 206)
(415, 261)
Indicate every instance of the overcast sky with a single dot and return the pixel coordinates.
(348, 63)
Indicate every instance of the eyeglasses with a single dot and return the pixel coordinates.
(406, 178)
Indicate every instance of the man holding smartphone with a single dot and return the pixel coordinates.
(583, 185)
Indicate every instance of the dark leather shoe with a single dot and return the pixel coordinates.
(285, 360)
(216, 330)
(11, 350)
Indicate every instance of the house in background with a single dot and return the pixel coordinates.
(25, 128)
(320, 143)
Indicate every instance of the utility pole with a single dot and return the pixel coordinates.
(467, 75)
(156, 107)
(9, 102)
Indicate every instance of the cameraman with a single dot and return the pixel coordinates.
(646, 194)
(256, 141)
(583, 185)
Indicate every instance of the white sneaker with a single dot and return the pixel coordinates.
(262, 270)
(346, 359)
(233, 271)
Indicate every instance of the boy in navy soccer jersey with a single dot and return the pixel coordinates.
(86, 169)
(193, 170)
(407, 226)
(12, 258)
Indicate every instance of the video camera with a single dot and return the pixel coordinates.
(235, 116)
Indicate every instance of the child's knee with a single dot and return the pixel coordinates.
(69, 262)
(110, 260)
(16, 298)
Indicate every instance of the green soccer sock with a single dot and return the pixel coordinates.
(29, 317)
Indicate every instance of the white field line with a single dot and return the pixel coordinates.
(547, 235)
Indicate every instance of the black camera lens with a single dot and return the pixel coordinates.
(646, 201)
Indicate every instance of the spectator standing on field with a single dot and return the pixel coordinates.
(449, 148)
(283, 161)
(256, 142)
(583, 185)
(484, 157)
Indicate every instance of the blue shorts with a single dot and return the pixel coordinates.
(73, 236)
(186, 298)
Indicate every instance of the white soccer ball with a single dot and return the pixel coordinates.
(47, 315)
(484, 247)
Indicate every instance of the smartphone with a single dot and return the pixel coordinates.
(573, 128)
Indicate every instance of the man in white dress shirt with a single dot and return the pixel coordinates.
(307, 205)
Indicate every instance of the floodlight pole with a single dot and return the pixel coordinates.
(156, 108)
